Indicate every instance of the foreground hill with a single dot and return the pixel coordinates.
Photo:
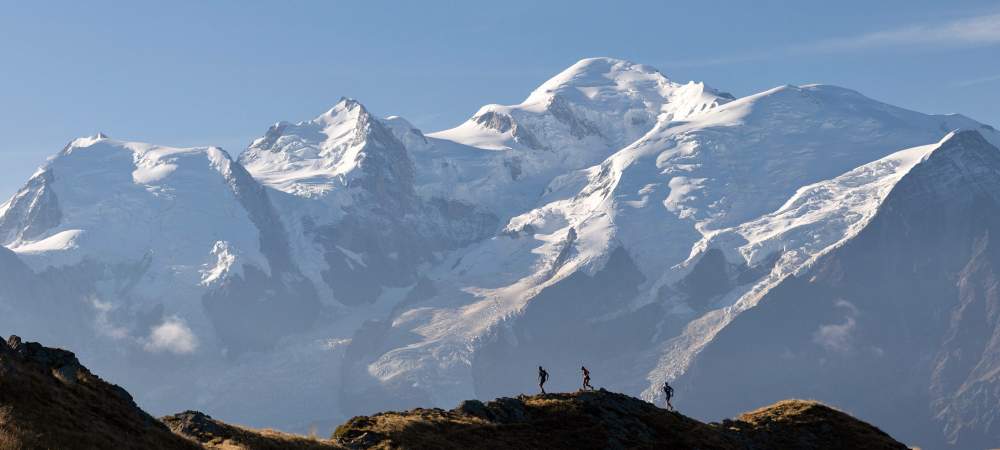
(49, 400)
(602, 419)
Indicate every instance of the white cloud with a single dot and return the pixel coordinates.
(837, 337)
(173, 336)
(103, 322)
(975, 81)
(968, 31)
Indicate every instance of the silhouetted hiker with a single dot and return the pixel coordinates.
(586, 378)
(669, 393)
(543, 376)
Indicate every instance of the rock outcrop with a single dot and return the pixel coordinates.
(212, 433)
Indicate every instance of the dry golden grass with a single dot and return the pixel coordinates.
(214, 434)
(811, 424)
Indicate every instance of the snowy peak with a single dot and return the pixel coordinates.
(150, 164)
(596, 104)
(84, 142)
(95, 170)
(618, 85)
(313, 158)
(589, 76)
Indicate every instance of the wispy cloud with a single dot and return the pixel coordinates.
(969, 31)
(975, 81)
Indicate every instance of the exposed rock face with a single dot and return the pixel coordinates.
(503, 123)
(605, 420)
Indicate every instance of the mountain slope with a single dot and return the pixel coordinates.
(898, 317)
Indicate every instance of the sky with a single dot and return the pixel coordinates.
(219, 73)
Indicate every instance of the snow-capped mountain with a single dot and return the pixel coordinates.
(168, 235)
(350, 263)
(353, 209)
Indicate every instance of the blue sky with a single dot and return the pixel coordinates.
(219, 73)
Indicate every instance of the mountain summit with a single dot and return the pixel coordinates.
(321, 155)
(594, 104)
